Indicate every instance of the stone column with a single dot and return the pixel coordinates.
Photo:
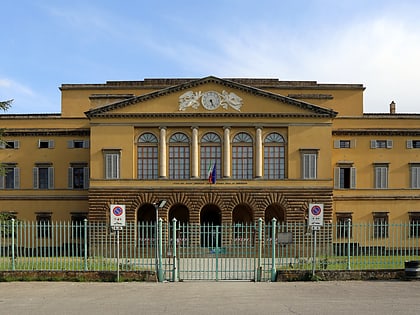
(226, 153)
(258, 153)
(162, 153)
(194, 146)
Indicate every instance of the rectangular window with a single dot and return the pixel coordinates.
(43, 222)
(112, 164)
(413, 144)
(309, 163)
(381, 144)
(78, 144)
(381, 176)
(345, 144)
(11, 177)
(9, 144)
(414, 218)
(45, 144)
(147, 162)
(344, 177)
(380, 224)
(415, 175)
(78, 176)
(43, 176)
(344, 226)
(78, 225)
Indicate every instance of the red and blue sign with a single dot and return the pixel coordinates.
(117, 218)
(316, 214)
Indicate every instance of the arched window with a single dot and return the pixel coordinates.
(242, 156)
(179, 156)
(147, 156)
(210, 154)
(274, 157)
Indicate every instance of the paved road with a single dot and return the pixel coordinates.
(217, 298)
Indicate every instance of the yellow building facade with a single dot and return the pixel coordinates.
(218, 150)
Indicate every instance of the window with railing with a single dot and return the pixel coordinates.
(414, 218)
(380, 225)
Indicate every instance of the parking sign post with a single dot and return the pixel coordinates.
(316, 220)
(117, 224)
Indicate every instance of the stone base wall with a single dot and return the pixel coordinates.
(340, 275)
(294, 201)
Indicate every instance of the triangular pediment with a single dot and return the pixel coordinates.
(209, 95)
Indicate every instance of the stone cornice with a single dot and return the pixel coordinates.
(45, 132)
(210, 115)
(376, 132)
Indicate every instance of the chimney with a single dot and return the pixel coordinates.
(392, 108)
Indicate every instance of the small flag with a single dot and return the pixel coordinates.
(212, 173)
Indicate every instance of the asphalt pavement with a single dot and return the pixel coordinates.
(195, 297)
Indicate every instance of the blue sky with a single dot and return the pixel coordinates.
(47, 43)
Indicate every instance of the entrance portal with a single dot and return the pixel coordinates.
(210, 221)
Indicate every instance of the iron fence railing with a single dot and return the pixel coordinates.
(191, 251)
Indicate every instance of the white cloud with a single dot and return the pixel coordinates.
(380, 53)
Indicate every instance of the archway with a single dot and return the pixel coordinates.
(146, 225)
(243, 229)
(210, 230)
(181, 213)
(274, 211)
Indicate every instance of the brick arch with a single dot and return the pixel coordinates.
(243, 198)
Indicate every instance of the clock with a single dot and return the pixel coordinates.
(210, 100)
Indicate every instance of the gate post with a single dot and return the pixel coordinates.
(160, 271)
(273, 253)
(174, 270)
(259, 270)
(13, 244)
(85, 251)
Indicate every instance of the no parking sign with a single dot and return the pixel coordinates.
(316, 214)
(117, 216)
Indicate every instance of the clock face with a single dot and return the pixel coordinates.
(210, 100)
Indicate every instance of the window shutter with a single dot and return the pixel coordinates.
(86, 177)
(70, 178)
(16, 178)
(2, 179)
(353, 143)
(70, 144)
(86, 144)
(35, 178)
(51, 178)
(352, 177)
(373, 144)
(2, 145)
(336, 177)
(336, 144)
(409, 144)
(415, 177)
(313, 165)
(50, 144)
(389, 144)
(17, 144)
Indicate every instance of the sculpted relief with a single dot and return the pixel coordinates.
(210, 100)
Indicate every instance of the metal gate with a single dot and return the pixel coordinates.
(214, 252)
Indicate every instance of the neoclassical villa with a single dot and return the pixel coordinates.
(218, 150)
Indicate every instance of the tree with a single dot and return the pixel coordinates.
(5, 105)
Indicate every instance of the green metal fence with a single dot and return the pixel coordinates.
(206, 252)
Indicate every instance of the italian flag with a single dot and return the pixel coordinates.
(212, 173)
